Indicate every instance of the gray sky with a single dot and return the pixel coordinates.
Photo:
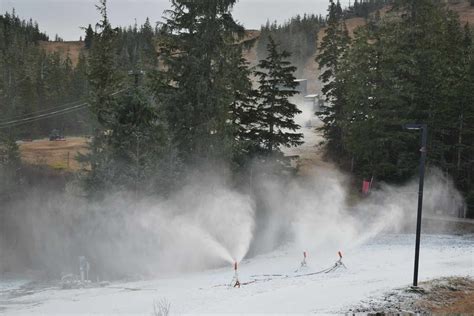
(65, 17)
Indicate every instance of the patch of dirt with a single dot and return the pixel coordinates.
(73, 48)
(451, 295)
(464, 9)
(448, 295)
(55, 154)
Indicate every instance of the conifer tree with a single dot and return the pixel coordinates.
(131, 149)
(89, 37)
(10, 166)
(198, 46)
(331, 52)
(272, 124)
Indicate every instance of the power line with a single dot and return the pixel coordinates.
(52, 109)
(43, 116)
(50, 113)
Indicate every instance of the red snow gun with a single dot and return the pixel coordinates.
(305, 255)
(235, 280)
(339, 262)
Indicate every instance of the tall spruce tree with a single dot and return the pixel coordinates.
(104, 82)
(89, 37)
(198, 46)
(272, 123)
(241, 109)
(333, 47)
(131, 149)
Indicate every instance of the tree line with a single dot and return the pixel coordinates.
(186, 104)
(413, 65)
(33, 81)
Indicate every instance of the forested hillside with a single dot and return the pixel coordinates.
(39, 77)
(33, 81)
(187, 142)
(382, 64)
(413, 65)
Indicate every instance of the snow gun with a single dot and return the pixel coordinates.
(303, 263)
(235, 281)
(339, 262)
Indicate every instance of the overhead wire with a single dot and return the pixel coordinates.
(51, 109)
(43, 116)
(57, 111)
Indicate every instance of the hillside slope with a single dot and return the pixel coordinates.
(310, 71)
(270, 282)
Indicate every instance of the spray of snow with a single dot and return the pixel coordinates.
(210, 222)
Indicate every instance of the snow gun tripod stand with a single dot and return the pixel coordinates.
(338, 264)
(235, 280)
(303, 264)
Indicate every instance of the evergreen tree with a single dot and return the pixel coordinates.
(272, 124)
(333, 48)
(89, 37)
(10, 167)
(131, 149)
(198, 47)
(412, 65)
(104, 82)
(242, 109)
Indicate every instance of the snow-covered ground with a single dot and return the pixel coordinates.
(373, 268)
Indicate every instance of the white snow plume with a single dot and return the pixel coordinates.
(205, 224)
(307, 116)
(440, 197)
(316, 213)
(208, 223)
(310, 212)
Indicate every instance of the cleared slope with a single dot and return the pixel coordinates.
(373, 268)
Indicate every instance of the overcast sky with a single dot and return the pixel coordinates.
(65, 17)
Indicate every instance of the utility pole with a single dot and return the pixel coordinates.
(424, 136)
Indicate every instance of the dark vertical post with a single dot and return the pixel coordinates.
(424, 136)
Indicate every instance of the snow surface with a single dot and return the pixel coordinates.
(373, 268)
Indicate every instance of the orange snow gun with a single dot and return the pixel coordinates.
(303, 263)
(235, 280)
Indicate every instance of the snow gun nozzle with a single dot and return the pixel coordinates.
(235, 265)
(304, 254)
(340, 254)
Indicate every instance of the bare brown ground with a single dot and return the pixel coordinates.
(463, 304)
(59, 155)
(73, 48)
(464, 10)
(448, 296)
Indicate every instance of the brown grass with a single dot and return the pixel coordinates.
(452, 295)
(74, 49)
(54, 153)
(464, 10)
